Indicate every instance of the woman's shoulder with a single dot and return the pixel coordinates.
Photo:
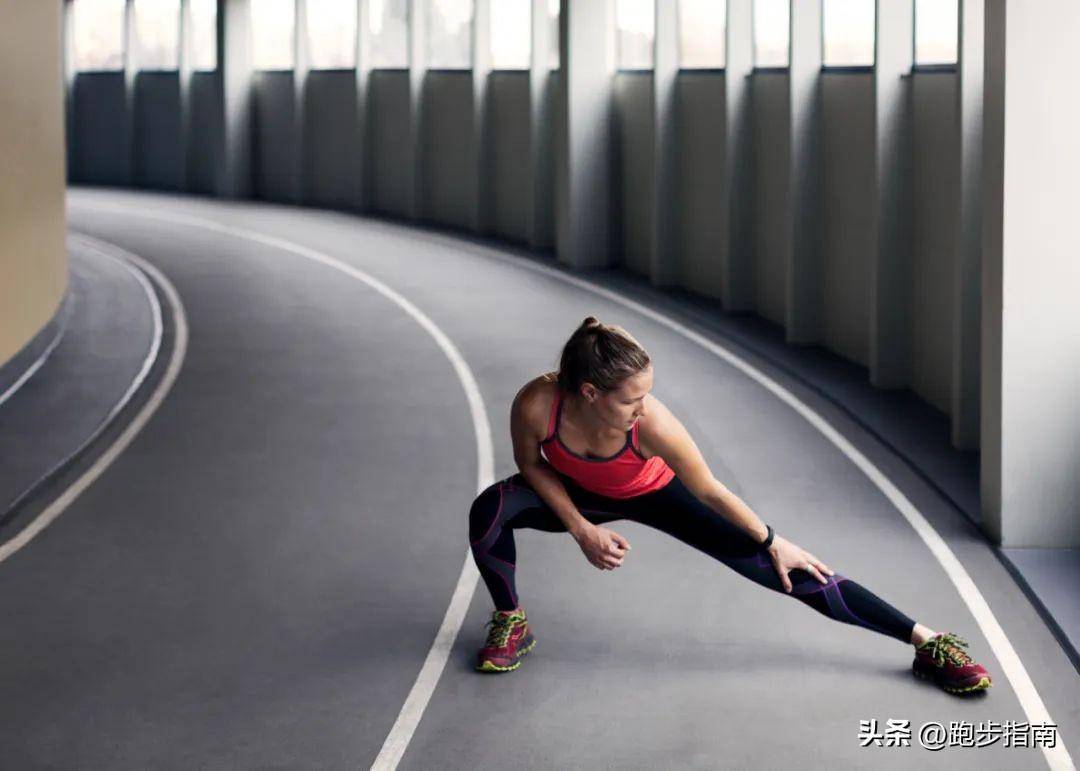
(536, 399)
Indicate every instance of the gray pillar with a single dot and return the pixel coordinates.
(67, 30)
(301, 69)
(541, 151)
(361, 163)
(803, 282)
(131, 68)
(417, 71)
(185, 68)
(480, 205)
(969, 124)
(232, 161)
(1030, 317)
(737, 287)
(584, 210)
(890, 282)
(664, 255)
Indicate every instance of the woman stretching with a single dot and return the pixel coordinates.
(611, 450)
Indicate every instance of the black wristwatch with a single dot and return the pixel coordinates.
(768, 540)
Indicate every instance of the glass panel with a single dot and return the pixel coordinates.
(848, 28)
(450, 34)
(556, 52)
(272, 25)
(157, 30)
(99, 34)
(702, 25)
(204, 34)
(511, 34)
(389, 23)
(937, 31)
(636, 25)
(772, 33)
(332, 34)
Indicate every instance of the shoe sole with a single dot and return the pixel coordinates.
(490, 666)
(981, 685)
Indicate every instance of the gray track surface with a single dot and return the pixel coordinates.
(257, 579)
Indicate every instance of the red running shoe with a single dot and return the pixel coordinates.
(943, 660)
(508, 640)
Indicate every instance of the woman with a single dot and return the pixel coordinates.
(611, 450)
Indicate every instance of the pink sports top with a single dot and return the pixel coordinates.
(623, 475)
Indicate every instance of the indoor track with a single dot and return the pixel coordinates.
(258, 579)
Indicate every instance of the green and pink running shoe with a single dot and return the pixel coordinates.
(508, 640)
(943, 660)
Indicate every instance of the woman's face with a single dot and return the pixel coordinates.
(624, 406)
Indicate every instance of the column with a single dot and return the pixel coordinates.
(232, 161)
(481, 68)
(185, 68)
(664, 255)
(541, 150)
(737, 263)
(301, 69)
(417, 70)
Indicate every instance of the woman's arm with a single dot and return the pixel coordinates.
(664, 434)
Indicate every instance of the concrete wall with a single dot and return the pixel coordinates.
(157, 130)
(388, 91)
(848, 151)
(634, 176)
(331, 140)
(772, 190)
(276, 143)
(511, 177)
(102, 150)
(701, 147)
(33, 261)
(447, 154)
(934, 236)
(205, 112)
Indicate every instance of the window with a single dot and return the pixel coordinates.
(555, 61)
(511, 34)
(702, 27)
(848, 33)
(99, 34)
(389, 28)
(204, 34)
(450, 34)
(331, 28)
(157, 34)
(772, 33)
(937, 31)
(636, 26)
(273, 23)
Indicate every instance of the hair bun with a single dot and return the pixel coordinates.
(590, 322)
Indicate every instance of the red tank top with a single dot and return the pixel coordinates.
(623, 475)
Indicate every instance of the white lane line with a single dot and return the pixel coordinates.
(401, 733)
(58, 506)
(1057, 757)
(29, 373)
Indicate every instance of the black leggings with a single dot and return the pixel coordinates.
(512, 503)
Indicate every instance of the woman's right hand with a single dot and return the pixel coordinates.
(604, 548)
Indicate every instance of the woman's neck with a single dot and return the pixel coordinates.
(584, 418)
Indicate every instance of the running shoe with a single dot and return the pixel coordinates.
(943, 660)
(508, 640)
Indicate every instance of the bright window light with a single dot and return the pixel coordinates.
(772, 33)
(204, 34)
(702, 26)
(511, 34)
(450, 34)
(388, 23)
(157, 30)
(99, 34)
(272, 25)
(848, 29)
(553, 41)
(332, 34)
(636, 25)
(937, 31)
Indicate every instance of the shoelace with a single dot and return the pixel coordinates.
(501, 626)
(948, 645)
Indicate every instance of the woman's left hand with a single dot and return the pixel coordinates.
(788, 556)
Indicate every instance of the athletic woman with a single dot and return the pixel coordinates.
(593, 445)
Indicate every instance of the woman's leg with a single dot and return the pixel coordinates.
(678, 512)
(511, 504)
